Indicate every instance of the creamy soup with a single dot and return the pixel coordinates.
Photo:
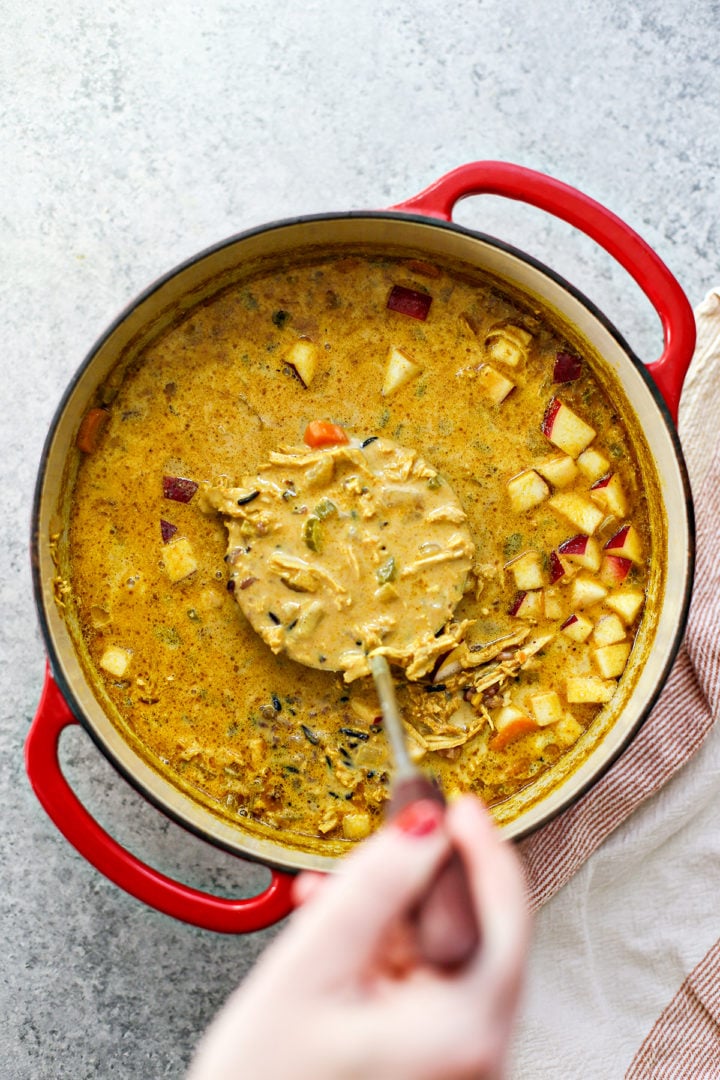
(207, 543)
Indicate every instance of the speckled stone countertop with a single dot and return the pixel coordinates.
(134, 136)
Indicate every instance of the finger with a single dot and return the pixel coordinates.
(497, 883)
(306, 886)
(337, 936)
(471, 1010)
(397, 953)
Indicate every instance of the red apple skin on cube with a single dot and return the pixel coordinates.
(614, 569)
(179, 488)
(409, 302)
(567, 367)
(565, 429)
(577, 628)
(626, 544)
(583, 551)
(516, 604)
(608, 493)
(527, 605)
(557, 570)
(167, 530)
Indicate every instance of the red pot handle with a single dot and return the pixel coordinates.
(608, 230)
(115, 862)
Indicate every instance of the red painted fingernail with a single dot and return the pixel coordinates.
(419, 818)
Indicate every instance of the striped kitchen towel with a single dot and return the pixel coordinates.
(685, 1040)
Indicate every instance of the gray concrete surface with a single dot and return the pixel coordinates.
(133, 135)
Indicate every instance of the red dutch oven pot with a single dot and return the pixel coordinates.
(421, 223)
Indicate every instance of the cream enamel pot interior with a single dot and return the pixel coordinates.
(422, 226)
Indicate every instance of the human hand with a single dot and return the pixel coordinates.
(342, 992)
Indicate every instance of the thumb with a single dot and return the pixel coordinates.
(337, 932)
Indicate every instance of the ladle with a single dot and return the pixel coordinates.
(445, 922)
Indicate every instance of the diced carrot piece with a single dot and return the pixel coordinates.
(512, 731)
(91, 429)
(323, 433)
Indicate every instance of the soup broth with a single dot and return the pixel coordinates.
(507, 409)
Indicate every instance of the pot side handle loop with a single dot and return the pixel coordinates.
(115, 862)
(602, 226)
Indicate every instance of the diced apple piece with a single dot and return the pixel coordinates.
(508, 344)
(502, 351)
(627, 603)
(356, 826)
(399, 372)
(450, 664)
(570, 569)
(611, 659)
(626, 544)
(526, 490)
(577, 627)
(304, 356)
(567, 731)
(368, 712)
(553, 603)
(558, 568)
(179, 559)
(115, 661)
(578, 510)
(527, 605)
(565, 429)
(581, 551)
(492, 385)
(608, 493)
(547, 708)
(409, 302)
(586, 591)
(527, 570)
(589, 689)
(567, 367)
(614, 569)
(608, 630)
(558, 471)
(593, 464)
(510, 724)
